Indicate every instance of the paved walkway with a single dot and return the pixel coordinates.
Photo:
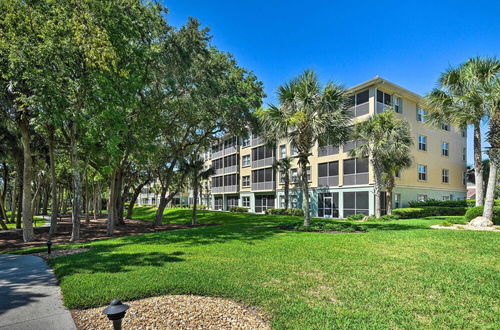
(29, 296)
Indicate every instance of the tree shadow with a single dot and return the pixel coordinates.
(100, 259)
(18, 279)
(390, 226)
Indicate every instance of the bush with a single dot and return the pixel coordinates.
(388, 217)
(355, 217)
(238, 209)
(428, 211)
(291, 212)
(477, 211)
(324, 226)
(435, 202)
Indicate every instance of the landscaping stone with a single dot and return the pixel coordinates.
(176, 312)
(481, 222)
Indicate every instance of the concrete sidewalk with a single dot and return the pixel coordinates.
(29, 296)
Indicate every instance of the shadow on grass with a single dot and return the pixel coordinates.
(102, 260)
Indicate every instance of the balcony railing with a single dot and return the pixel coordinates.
(231, 189)
(231, 150)
(355, 179)
(359, 110)
(217, 190)
(256, 141)
(219, 171)
(263, 162)
(263, 186)
(327, 150)
(328, 181)
(218, 154)
(380, 107)
(231, 169)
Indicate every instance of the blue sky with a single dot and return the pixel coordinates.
(407, 42)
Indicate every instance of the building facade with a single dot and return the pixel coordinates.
(341, 185)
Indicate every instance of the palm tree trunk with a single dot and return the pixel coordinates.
(28, 234)
(478, 166)
(388, 200)
(287, 188)
(305, 192)
(490, 192)
(376, 188)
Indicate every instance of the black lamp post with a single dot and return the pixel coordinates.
(49, 245)
(115, 312)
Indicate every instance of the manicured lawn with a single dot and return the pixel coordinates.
(400, 274)
(36, 222)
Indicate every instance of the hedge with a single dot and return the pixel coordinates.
(477, 211)
(238, 209)
(293, 212)
(435, 202)
(428, 211)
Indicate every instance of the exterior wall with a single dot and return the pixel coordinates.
(411, 194)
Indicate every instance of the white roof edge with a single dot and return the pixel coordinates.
(379, 81)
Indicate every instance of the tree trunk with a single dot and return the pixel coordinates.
(96, 202)
(195, 200)
(161, 207)
(305, 192)
(3, 214)
(112, 201)
(86, 203)
(13, 202)
(46, 197)
(376, 188)
(287, 188)
(478, 166)
(388, 200)
(28, 234)
(53, 185)
(77, 188)
(135, 195)
(490, 192)
(119, 200)
(5, 184)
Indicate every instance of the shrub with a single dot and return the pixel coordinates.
(435, 202)
(388, 217)
(291, 212)
(428, 211)
(238, 209)
(324, 226)
(355, 217)
(477, 211)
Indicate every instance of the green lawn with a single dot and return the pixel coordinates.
(36, 222)
(400, 274)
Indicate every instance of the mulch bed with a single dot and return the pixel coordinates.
(176, 312)
(91, 231)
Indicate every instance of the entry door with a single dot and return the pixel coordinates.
(328, 206)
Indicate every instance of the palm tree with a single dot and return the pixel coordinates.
(460, 100)
(387, 142)
(197, 173)
(392, 165)
(283, 166)
(493, 95)
(308, 113)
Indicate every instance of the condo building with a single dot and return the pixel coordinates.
(339, 184)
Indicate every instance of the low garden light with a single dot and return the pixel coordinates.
(49, 246)
(115, 312)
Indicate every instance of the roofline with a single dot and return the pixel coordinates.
(378, 81)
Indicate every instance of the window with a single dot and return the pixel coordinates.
(362, 97)
(422, 143)
(328, 205)
(231, 180)
(356, 202)
(328, 174)
(263, 175)
(217, 181)
(445, 126)
(445, 147)
(464, 178)
(231, 160)
(295, 151)
(355, 171)
(422, 172)
(246, 181)
(282, 151)
(232, 201)
(464, 154)
(359, 103)
(308, 169)
(397, 201)
(446, 197)
(398, 104)
(246, 160)
(398, 174)
(384, 97)
(245, 201)
(420, 114)
(263, 202)
(218, 203)
(294, 176)
(421, 197)
(262, 152)
(445, 176)
(245, 142)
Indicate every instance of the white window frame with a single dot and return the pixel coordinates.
(243, 162)
(398, 104)
(243, 181)
(420, 114)
(424, 143)
(445, 176)
(421, 197)
(244, 201)
(397, 200)
(282, 151)
(445, 149)
(245, 142)
(294, 175)
(424, 172)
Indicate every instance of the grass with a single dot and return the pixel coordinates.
(399, 274)
(37, 221)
